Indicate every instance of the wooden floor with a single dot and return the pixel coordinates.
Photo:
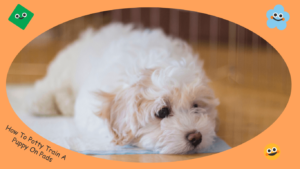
(253, 89)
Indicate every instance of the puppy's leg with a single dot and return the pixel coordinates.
(53, 95)
(42, 102)
(46, 101)
(64, 100)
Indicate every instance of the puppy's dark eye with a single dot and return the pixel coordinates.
(195, 105)
(162, 113)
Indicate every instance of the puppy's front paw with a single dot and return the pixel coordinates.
(41, 102)
(41, 108)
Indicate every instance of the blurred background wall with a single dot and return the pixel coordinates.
(248, 75)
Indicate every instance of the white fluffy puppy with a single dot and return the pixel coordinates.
(150, 88)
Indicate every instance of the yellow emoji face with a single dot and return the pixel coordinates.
(272, 151)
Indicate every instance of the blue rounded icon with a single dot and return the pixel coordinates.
(277, 17)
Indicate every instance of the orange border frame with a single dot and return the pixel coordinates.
(249, 14)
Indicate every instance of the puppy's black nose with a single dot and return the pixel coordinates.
(194, 138)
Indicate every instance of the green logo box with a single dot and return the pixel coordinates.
(21, 16)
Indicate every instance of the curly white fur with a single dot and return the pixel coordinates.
(125, 75)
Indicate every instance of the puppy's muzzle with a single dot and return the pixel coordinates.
(194, 138)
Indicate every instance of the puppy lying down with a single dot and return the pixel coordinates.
(150, 89)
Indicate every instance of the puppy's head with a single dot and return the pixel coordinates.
(171, 110)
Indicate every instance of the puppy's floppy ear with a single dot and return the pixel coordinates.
(122, 109)
(121, 113)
